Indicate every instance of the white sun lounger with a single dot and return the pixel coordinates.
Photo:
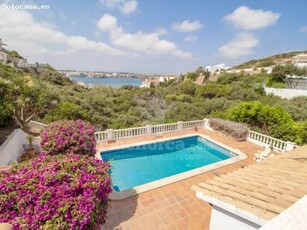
(260, 156)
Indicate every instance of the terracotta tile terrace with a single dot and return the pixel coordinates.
(173, 206)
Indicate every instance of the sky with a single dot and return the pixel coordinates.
(151, 36)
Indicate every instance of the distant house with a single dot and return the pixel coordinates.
(1, 45)
(150, 82)
(16, 61)
(216, 68)
(22, 63)
(41, 65)
(166, 77)
(300, 60)
(3, 57)
(154, 82)
(251, 70)
(162, 79)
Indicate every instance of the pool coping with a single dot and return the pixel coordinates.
(175, 178)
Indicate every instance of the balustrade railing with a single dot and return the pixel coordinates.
(254, 137)
(193, 124)
(165, 128)
(110, 134)
(264, 140)
(131, 132)
(101, 135)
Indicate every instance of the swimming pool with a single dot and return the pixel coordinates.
(146, 163)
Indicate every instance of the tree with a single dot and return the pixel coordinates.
(182, 111)
(200, 71)
(6, 108)
(15, 54)
(191, 75)
(262, 116)
(188, 87)
(30, 98)
(212, 90)
(66, 111)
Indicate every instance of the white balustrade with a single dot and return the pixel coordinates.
(101, 135)
(165, 128)
(147, 130)
(131, 132)
(254, 137)
(264, 140)
(193, 124)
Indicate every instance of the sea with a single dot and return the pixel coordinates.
(115, 82)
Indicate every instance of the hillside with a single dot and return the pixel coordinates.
(45, 95)
(278, 59)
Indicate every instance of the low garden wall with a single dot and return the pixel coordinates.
(12, 149)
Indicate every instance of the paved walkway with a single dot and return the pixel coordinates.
(173, 206)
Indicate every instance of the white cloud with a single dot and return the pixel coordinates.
(187, 26)
(303, 29)
(249, 19)
(241, 45)
(111, 3)
(149, 43)
(161, 31)
(190, 38)
(125, 6)
(20, 25)
(129, 7)
(43, 42)
(107, 23)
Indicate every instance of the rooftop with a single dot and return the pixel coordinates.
(264, 189)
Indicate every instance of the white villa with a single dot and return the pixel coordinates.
(16, 61)
(300, 60)
(154, 82)
(216, 68)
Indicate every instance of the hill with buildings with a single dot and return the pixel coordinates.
(43, 94)
(277, 59)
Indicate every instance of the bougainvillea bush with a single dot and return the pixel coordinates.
(56, 192)
(68, 137)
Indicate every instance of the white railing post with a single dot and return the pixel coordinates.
(179, 125)
(205, 123)
(109, 134)
(148, 129)
(289, 146)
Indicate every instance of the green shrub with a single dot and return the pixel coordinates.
(6, 112)
(235, 130)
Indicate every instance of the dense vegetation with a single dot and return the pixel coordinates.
(238, 97)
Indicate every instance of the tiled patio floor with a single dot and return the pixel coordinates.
(174, 206)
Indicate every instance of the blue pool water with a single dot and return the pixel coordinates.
(142, 164)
